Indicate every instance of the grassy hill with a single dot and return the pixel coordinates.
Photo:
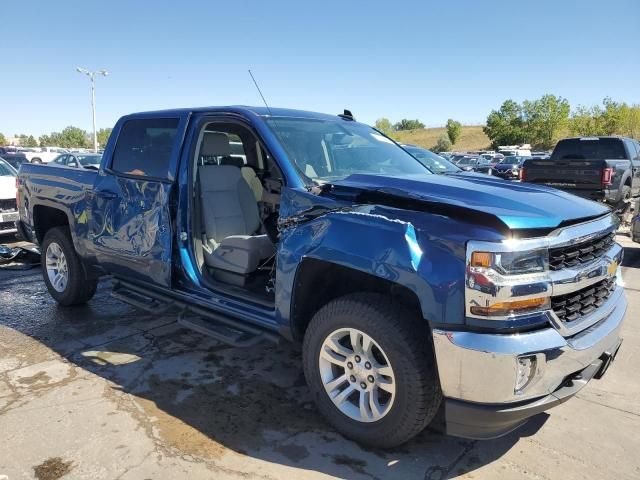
(471, 138)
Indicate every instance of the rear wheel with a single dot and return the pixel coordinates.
(372, 376)
(64, 274)
(625, 207)
(36, 160)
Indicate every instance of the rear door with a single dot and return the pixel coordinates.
(635, 167)
(131, 220)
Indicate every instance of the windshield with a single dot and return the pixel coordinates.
(510, 161)
(590, 148)
(6, 170)
(467, 161)
(326, 150)
(433, 162)
(89, 159)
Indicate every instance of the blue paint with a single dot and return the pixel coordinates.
(411, 231)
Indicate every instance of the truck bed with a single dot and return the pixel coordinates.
(60, 187)
(576, 176)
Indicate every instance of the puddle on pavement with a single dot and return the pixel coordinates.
(112, 358)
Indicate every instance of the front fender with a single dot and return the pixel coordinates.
(420, 251)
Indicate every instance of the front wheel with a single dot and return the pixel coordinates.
(64, 274)
(36, 160)
(370, 370)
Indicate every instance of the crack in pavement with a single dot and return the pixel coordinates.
(434, 470)
(607, 406)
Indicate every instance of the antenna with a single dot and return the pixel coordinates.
(276, 131)
(260, 92)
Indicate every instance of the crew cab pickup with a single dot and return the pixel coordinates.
(411, 293)
(604, 169)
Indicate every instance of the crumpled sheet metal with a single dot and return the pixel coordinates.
(19, 258)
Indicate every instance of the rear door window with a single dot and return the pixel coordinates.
(144, 147)
(590, 149)
(637, 145)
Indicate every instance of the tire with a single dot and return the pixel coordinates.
(394, 331)
(624, 206)
(79, 286)
(625, 195)
(36, 160)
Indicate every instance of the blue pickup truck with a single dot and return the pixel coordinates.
(414, 296)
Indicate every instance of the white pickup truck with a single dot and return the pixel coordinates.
(43, 154)
(8, 205)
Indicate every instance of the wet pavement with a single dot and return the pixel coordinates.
(105, 391)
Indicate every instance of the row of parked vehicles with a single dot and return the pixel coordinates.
(11, 158)
(80, 158)
(604, 169)
(412, 294)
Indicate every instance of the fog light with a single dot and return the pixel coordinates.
(513, 307)
(527, 367)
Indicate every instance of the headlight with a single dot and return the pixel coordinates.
(501, 285)
(512, 263)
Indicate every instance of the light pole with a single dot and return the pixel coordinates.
(92, 76)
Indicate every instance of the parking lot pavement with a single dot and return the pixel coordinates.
(105, 391)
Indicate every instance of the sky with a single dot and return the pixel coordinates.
(406, 59)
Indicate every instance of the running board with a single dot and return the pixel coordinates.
(207, 322)
(219, 331)
(140, 301)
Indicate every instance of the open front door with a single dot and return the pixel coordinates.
(131, 219)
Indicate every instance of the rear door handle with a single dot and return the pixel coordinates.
(106, 194)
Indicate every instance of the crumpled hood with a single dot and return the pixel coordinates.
(517, 205)
(7, 187)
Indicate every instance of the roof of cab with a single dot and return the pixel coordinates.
(242, 110)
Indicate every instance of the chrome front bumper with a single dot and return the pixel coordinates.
(482, 367)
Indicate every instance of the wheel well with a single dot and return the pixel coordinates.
(627, 182)
(45, 218)
(318, 282)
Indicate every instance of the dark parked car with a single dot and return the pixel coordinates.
(635, 222)
(78, 160)
(475, 163)
(598, 168)
(13, 156)
(509, 167)
(432, 161)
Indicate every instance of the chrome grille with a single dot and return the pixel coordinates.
(8, 205)
(573, 306)
(585, 252)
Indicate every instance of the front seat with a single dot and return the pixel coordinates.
(230, 216)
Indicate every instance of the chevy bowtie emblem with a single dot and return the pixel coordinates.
(613, 268)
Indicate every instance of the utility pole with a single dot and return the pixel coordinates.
(92, 76)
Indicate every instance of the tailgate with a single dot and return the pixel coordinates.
(565, 174)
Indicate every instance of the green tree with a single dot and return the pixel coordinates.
(454, 129)
(71, 137)
(384, 125)
(612, 118)
(505, 126)
(406, 124)
(3, 139)
(30, 141)
(105, 133)
(444, 143)
(545, 119)
(44, 140)
(630, 121)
